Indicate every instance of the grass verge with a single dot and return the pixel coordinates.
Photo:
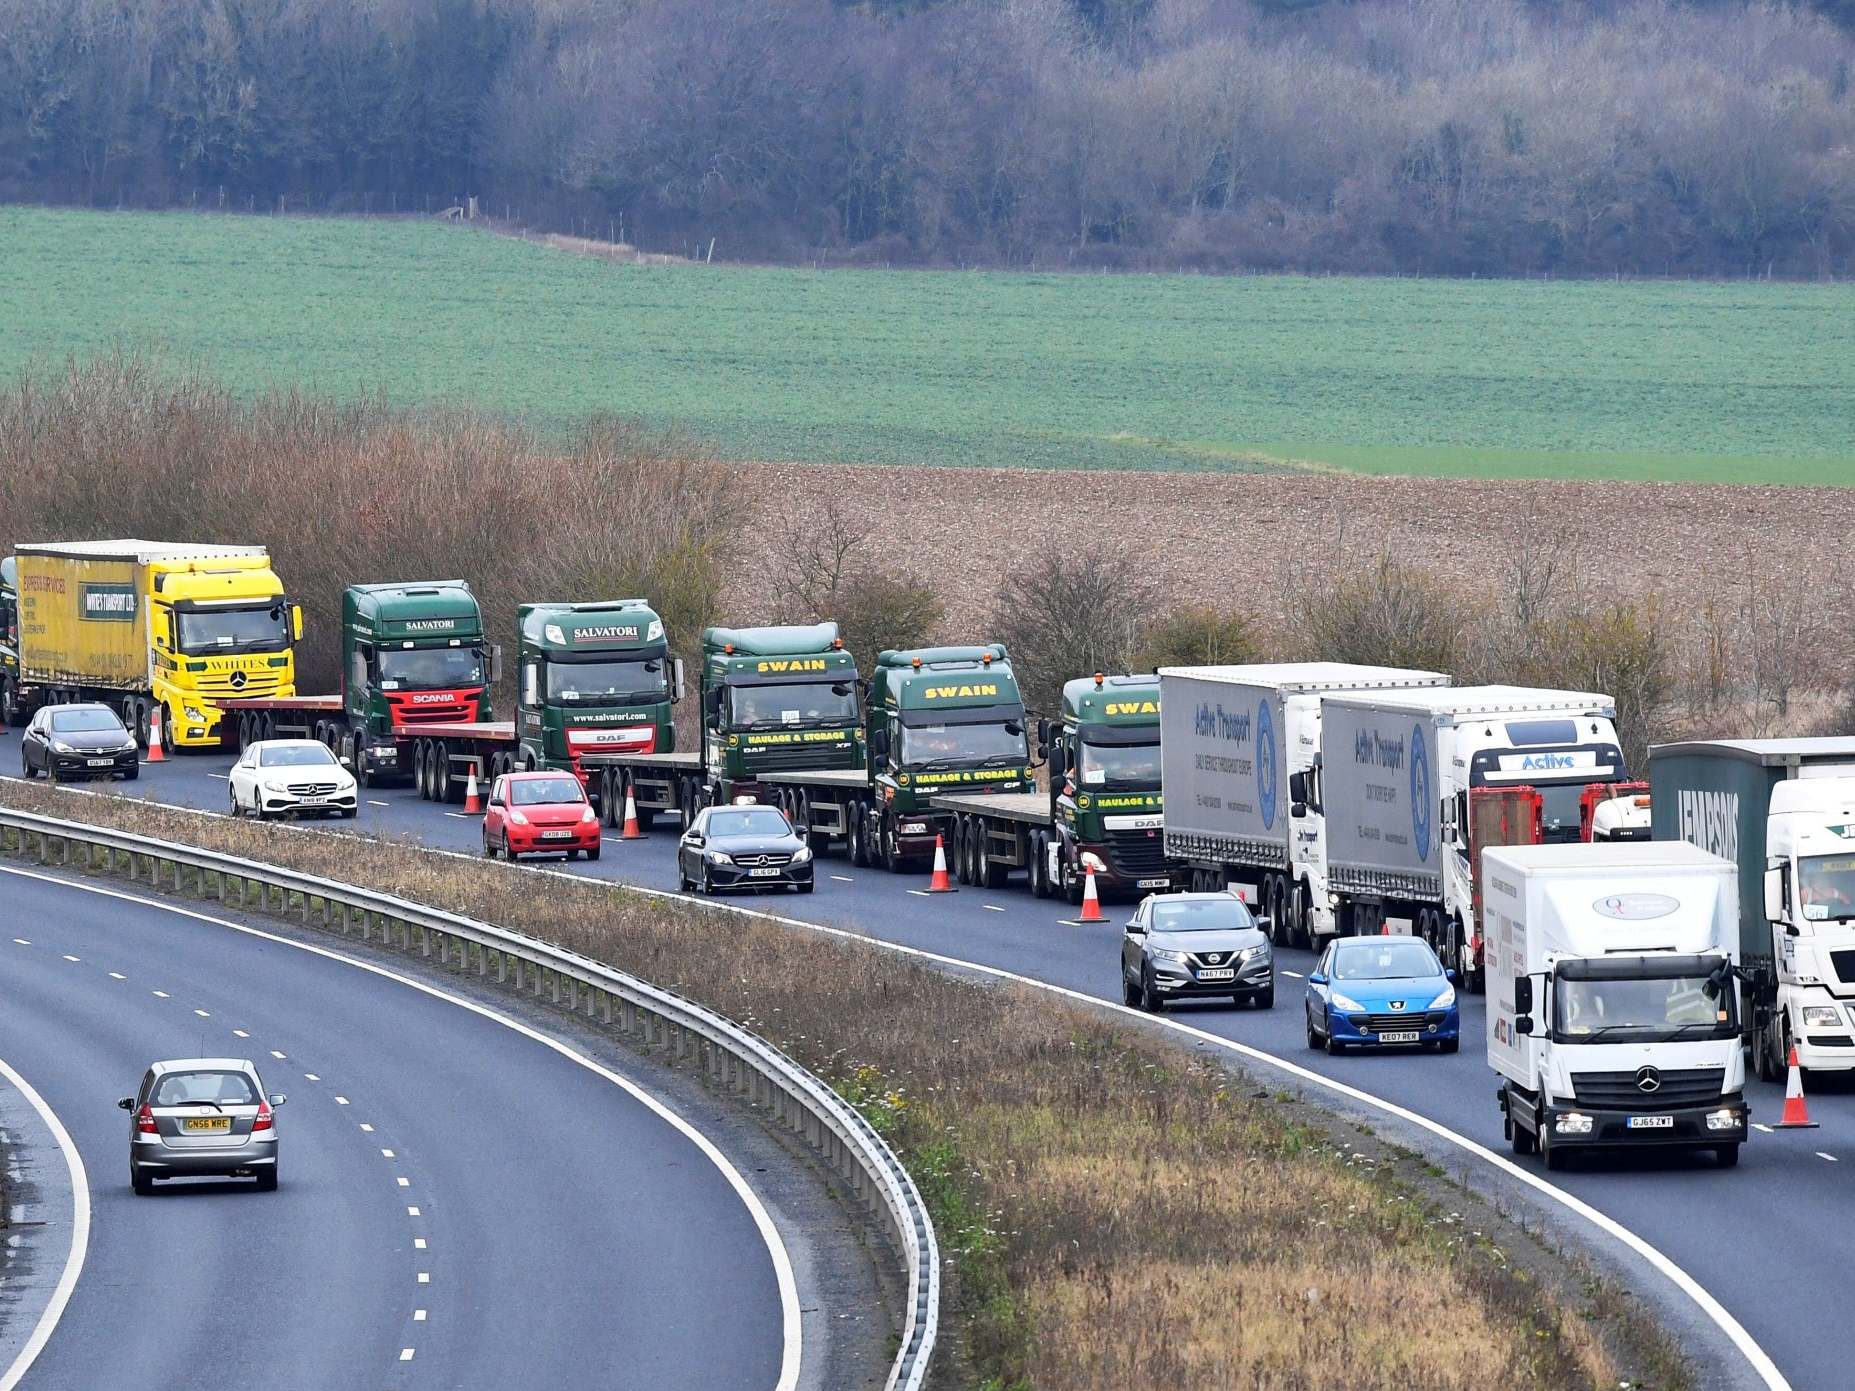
(1115, 1211)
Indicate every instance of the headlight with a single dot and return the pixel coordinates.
(59, 746)
(517, 817)
(1821, 1017)
(588, 814)
(1177, 958)
(1723, 1120)
(718, 857)
(196, 716)
(802, 855)
(1251, 953)
(1090, 860)
(1573, 1123)
(1446, 999)
(1346, 1002)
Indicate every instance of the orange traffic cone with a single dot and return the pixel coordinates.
(473, 801)
(630, 830)
(940, 883)
(1796, 1114)
(1091, 900)
(155, 754)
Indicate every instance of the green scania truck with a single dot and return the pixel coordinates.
(1101, 811)
(773, 699)
(940, 720)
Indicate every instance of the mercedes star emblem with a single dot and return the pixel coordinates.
(1648, 1080)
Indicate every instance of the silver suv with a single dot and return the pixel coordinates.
(202, 1116)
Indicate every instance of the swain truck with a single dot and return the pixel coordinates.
(1783, 811)
(1101, 811)
(146, 626)
(413, 658)
(1612, 1012)
(1396, 771)
(939, 720)
(773, 699)
(1241, 748)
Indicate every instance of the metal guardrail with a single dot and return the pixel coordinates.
(730, 1055)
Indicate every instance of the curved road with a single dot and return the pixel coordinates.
(460, 1205)
(1756, 1237)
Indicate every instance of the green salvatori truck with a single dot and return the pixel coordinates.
(1102, 811)
(939, 719)
(774, 699)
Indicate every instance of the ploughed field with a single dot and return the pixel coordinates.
(1741, 382)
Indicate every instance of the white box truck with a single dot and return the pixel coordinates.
(1612, 1013)
(1236, 745)
(1783, 810)
(1397, 769)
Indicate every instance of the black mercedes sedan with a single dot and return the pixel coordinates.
(77, 741)
(750, 847)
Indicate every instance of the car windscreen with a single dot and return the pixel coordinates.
(86, 722)
(1202, 915)
(1643, 1009)
(429, 668)
(1385, 959)
(1826, 884)
(233, 630)
(609, 682)
(792, 703)
(189, 1088)
(295, 756)
(949, 745)
(763, 822)
(1117, 765)
(530, 792)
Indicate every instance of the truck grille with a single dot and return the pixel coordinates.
(1392, 1023)
(1844, 962)
(1136, 853)
(218, 685)
(1694, 1086)
(459, 711)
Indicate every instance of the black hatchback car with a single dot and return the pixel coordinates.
(748, 847)
(78, 741)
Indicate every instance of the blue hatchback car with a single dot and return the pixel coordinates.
(1380, 992)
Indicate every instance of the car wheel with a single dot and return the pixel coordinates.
(1334, 1046)
(236, 811)
(1130, 991)
(807, 886)
(1449, 1045)
(267, 1180)
(134, 772)
(1726, 1156)
(1313, 1038)
(1150, 999)
(348, 813)
(708, 886)
(1265, 998)
(508, 851)
(592, 852)
(25, 765)
(489, 850)
(141, 1183)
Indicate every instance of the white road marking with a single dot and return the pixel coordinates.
(412, 1212)
(405, 1354)
(918, 893)
(276, 1054)
(372, 803)
(784, 1278)
(1830, 1157)
(1767, 1129)
(418, 1316)
(73, 958)
(1296, 974)
(418, 1243)
(22, 941)
(843, 879)
(425, 1277)
(991, 908)
(159, 994)
(368, 1128)
(403, 1181)
(221, 776)
(80, 1234)
(386, 1154)
(311, 1077)
(117, 975)
(460, 815)
(240, 1033)
(202, 1013)
(343, 1101)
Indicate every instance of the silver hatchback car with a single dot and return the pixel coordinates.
(202, 1116)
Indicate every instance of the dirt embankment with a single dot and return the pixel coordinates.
(1230, 540)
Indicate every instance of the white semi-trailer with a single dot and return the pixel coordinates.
(1236, 746)
(1783, 810)
(1612, 1019)
(1396, 771)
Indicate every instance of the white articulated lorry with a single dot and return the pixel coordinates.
(1397, 770)
(1612, 1012)
(1236, 746)
(1783, 810)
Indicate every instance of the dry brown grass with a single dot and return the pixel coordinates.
(1116, 1212)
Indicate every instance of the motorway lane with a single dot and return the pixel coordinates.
(1744, 1234)
(460, 1205)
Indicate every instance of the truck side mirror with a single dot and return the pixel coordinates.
(495, 663)
(1059, 759)
(676, 679)
(1774, 894)
(1298, 791)
(1043, 735)
(1523, 994)
(1297, 810)
(711, 701)
(879, 740)
(296, 622)
(1523, 1024)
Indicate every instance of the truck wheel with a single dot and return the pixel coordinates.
(1519, 1138)
(1303, 934)
(992, 874)
(1282, 931)
(858, 836)
(1727, 1156)
(1554, 1155)
(1073, 884)
(6, 702)
(891, 851)
(441, 761)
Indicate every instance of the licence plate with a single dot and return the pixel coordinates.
(1651, 1122)
(763, 874)
(1401, 1036)
(199, 1123)
(1152, 883)
(312, 801)
(99, 762)
(1218, 973)
(557, 835)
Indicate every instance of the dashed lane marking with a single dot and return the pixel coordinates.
(117, 975)
(843, 879)
(991, 908)
(405, 1354)
(418, 1316)
(1296, 974)
(372, 803)
(69, 957)
(159, 994)
(240, 1033)
(202, 1013)
(1830, 1157)
(22, 941)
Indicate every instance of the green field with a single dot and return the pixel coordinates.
(1741, 382)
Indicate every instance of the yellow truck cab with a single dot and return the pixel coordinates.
(146, 625)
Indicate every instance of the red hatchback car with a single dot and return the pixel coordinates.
(540, 813)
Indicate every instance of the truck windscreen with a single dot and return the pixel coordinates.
(950, 745)
(614, 682)
(792, 703)
(1826, 884)
(233, 630)
(1640, 1009)
(1117, 765)
(429, 668)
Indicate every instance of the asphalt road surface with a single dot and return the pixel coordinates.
(460, 1205)
(1761, 1238)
